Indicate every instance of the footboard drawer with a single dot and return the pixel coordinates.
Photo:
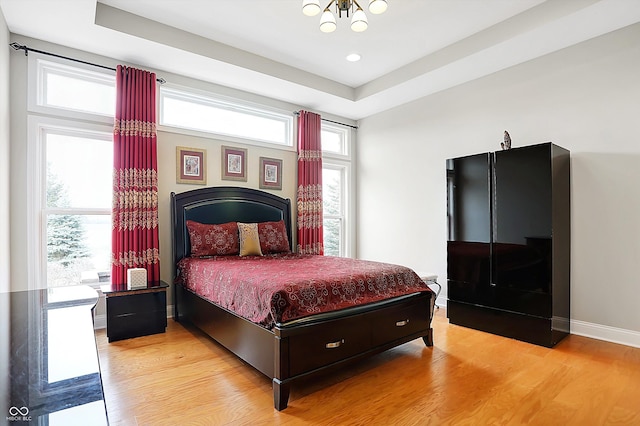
(334, 341)
(397, 322)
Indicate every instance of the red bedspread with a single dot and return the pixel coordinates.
(279, 288)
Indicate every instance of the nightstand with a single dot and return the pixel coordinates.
(135, 313)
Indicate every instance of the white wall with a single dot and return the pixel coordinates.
(585, 98)
(4, 155)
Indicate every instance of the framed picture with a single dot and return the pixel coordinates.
(270, 173)
(234, 163)
(191, 165)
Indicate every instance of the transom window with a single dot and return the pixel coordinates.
(228, 118)
(70, 90)
(334, 139)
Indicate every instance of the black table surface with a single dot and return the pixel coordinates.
(109, 289)
(49, 371)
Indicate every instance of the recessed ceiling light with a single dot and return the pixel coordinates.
(354, 57)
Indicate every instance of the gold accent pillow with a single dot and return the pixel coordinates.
(249, 239)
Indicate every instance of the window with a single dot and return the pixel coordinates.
(333, 182)
(71, 154)
(72, 91)
(334, 139)
(336, 190)
(77, 210)
(224, 117)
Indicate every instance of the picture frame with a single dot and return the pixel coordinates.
(191, 165)
(270, 173)
(234, 163)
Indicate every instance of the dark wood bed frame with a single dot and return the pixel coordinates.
(301, 347)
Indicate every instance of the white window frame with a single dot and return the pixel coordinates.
(343, 162)
(232, 104)
(344, 134)
(37, 210)
(38, 68)
(342, 215)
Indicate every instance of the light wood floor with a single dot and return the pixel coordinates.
(181, 377)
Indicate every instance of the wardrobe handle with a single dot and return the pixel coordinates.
(333, 345)
(402, 323)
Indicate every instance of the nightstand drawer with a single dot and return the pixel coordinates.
(137, 304)
(136, 313)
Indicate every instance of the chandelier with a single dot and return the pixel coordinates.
(358, 19)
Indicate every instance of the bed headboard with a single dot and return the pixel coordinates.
(221, 204)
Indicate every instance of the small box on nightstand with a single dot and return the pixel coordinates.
(136, 278)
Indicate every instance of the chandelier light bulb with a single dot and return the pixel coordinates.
(377, 6)
(327, 22)
(311, 7)
(359, 21)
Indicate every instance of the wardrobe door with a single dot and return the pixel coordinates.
(522, 226)
(469, 216)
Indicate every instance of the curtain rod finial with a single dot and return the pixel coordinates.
(17, 46)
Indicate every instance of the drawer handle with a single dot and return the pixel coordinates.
(333, 345)
(402, 323)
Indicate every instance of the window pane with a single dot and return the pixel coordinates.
(331, 141)
(203, 115)
(78, 248)
(76, 93)
(79, 171)
(332, 192)
(332, 229)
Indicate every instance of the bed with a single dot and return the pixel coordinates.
(285, 347)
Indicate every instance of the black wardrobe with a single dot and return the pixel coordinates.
(508, 250)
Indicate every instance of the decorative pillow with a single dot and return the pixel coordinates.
(273, 237)
(213, 240)
(249, 240)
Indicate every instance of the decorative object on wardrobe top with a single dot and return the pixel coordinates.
(506, 144)
(328, 23)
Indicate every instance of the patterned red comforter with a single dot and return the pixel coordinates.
(278, 288)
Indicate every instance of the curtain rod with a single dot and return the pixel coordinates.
(331, 121)
(26, 49)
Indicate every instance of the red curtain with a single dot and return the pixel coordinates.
(134, 240)
(309, 197)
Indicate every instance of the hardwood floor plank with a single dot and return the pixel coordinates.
(468, 377)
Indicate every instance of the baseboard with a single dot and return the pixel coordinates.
(606, 333)
(100, 321)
